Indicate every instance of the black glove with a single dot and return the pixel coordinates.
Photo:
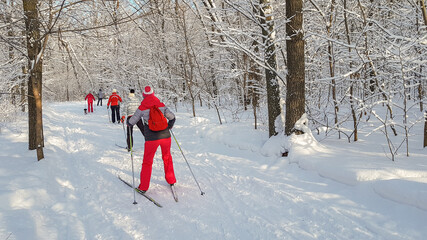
(108, 107)
(171, 123)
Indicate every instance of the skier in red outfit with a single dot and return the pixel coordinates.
(115, 107)
(90, 98)
(154, 139)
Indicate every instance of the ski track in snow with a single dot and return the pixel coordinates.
(74, 192)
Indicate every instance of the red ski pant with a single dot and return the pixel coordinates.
(89, 106)
(150, 149)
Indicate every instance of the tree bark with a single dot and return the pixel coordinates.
(34, 49)
(295, 80)
(423, 9)
(425, 129)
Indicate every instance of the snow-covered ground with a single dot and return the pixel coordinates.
(323, 190)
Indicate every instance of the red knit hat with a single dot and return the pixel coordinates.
(147, 91)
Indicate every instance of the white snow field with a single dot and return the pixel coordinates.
(325, 189)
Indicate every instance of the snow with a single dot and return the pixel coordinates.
(328, 189)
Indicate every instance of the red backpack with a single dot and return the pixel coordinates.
(157, 121)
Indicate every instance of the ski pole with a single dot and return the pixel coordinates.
(124, 132)
(133, 172)
(131, 158)
(201, 192)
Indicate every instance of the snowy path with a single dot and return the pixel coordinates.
(74, 193)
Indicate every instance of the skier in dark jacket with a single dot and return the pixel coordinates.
(154, 139)
(100, 97)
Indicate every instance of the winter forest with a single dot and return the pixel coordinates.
(333, 60)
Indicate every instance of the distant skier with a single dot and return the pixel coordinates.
(100, 97)
(132, 105)
(115, 107)
(90, 98)
(154, 139)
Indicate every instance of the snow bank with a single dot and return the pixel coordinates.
(411, 191)
(403, 182)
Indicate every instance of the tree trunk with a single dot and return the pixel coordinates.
(331, 60)
(420, 86)
(22, 87)
(254, 82)
(268, 36)
(34, 49)
(423, 9)
(425, 129)
(420, 94)
(352, 76)
(295, 80)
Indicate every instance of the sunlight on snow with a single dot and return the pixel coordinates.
(197, 120)
(65, 183)
(29, 198)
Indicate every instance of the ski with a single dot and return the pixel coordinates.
(175, 196)
(137, 150)
(143, 194)
(121, 146)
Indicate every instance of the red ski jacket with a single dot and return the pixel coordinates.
(150, 101)
(90, 98)
(143, 113)
(114, 99)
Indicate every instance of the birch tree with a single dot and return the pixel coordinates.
(269, 44)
